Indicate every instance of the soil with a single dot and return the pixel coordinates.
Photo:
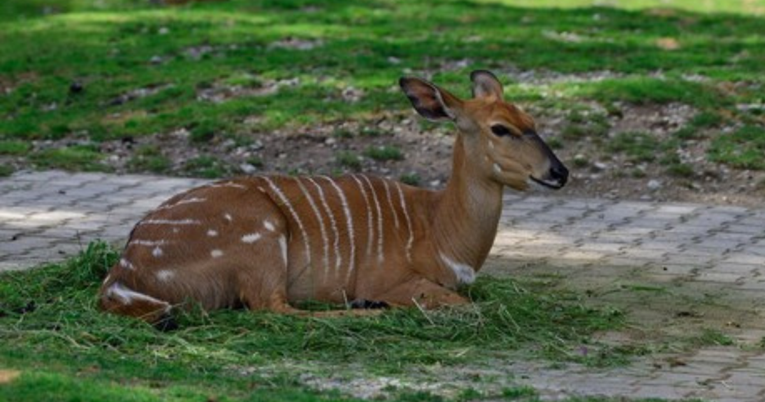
(595, 172)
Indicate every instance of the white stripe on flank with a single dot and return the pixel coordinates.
(370, 225)
(184, 201)
(380, 239)
(127, 295)
(283, 247)
(322, 227)
(333, 223)
(348, 222)
(390, 202)
(465, 273)
(295, 216)
(226, 184)
(170, 222)
(251, 238)
(149, 243)
(408, 223)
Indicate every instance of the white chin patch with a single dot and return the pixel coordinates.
(536, 186)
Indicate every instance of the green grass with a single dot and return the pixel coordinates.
(108, 47)
(208, 167)
(149, 158)
(384, 153)
(638, 147)
(78, 157)
(348, 159)
(48, 313)
(743, 148)
(14, 147)
(6, 170)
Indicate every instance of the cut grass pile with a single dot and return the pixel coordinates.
(51, 330)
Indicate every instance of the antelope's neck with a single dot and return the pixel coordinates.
(467, 214)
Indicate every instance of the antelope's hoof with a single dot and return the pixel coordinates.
(368, 304)
(166, 323)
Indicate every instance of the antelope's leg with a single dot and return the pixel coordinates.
(422, 292)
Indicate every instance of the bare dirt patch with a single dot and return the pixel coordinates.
(427, 154)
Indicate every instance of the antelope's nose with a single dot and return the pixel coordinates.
(559, 173)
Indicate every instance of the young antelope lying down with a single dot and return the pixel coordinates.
(265, 242)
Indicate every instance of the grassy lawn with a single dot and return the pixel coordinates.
(76, 73)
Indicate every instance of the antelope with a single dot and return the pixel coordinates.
(266, 242)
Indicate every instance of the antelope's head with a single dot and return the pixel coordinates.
(499, 138)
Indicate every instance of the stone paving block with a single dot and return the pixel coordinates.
(687, 258)
(662, 391)
(21, 245)
(673, 269)
(651, 244)
(746, 270)
(719, 277)
(38, 176)
(715, 244)
(604, 248)
(742, 258)
(745, 229)
(757, 286)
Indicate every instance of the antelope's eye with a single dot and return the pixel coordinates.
(500, 130)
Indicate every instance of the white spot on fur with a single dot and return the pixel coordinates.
(228, 217)
(251, 238)
(126, 264)
(157, 252)
(165, 275)
(269, 226)
(176, 230)
(497, 168)
(465, 273)
(212, 233)
(216, 253)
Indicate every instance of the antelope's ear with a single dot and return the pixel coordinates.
(430, 101)
(485, 85)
